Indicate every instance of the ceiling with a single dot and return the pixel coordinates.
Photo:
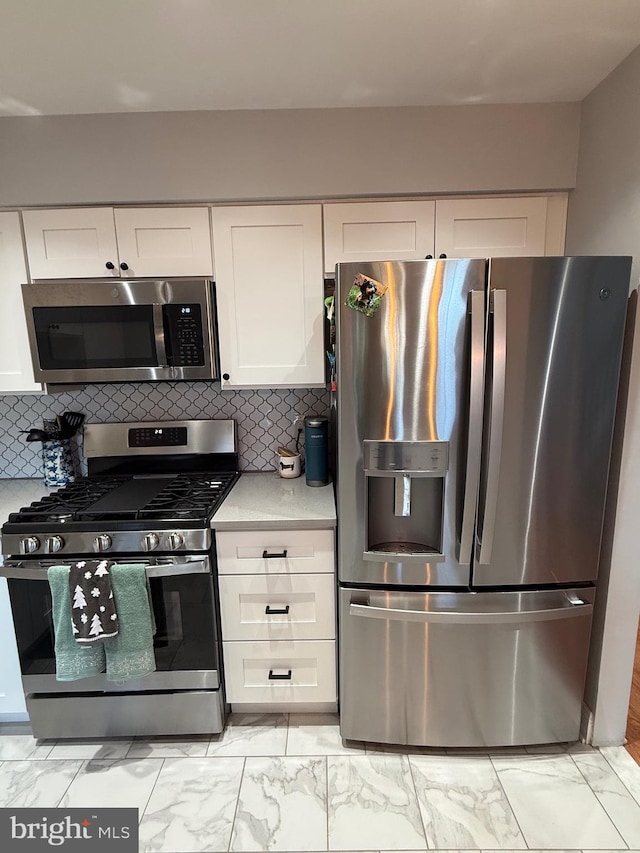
(87, 56)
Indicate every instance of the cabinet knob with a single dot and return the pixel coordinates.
(110, 266)
(124, 266)
(428, 257)
(225, 376)
(442, 256)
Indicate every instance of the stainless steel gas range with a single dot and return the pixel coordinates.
(149, 497)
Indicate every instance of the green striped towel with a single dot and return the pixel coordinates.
(130, 653)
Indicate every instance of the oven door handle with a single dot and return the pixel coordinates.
(38, 571)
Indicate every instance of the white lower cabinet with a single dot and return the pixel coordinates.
(280, 671)
(278, 613)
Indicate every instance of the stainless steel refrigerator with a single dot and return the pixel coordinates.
(475, 410)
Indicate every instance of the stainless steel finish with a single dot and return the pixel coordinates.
(472, 617)
(510, 675)
(205, 679)
(418, 458)
(156, 566)
(175, 541)
(474, 431)
(498, 307)
(53, 544)
(203, 436)
(28, 544)
(150, 542)
(122, 541)
(102, 542)
(136, 714)
(125, 292)
(563, 358)
(158, 325)
(401, 379)
(402, 502)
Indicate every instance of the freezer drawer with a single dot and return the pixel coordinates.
(463, 669)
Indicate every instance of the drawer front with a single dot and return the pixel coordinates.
(275, 552)
(280, 671)
(278, 607)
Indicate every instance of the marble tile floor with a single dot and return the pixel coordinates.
(288, 783)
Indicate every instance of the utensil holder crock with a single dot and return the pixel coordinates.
(57, 462)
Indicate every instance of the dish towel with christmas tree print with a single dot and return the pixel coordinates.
(93, 607)
(130, 654)
(73, 661)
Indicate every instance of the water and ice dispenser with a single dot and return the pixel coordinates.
(404, 500)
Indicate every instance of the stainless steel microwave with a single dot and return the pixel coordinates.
(121, 331)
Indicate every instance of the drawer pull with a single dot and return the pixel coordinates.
(267, 556)
(275, 677)
(272, 611)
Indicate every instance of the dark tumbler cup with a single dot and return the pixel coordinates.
(316, 449)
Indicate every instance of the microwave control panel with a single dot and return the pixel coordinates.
(183, 329)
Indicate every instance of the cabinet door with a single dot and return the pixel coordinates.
(164, 241)
(482, 227)
(16, 372)
(71, 243)
(269, 288)
(377, 231)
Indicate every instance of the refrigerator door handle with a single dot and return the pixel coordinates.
(461, 618)
(474, 442)
(498, 307)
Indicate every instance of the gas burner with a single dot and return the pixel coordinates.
(60, 517)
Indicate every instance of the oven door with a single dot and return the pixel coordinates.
(120, 331)
(186, 642)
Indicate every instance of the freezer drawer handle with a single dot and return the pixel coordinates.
(272, 611)
(273, 676)
(267, 556)
(452, 616)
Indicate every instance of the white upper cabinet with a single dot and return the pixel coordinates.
(16, 372)
(377, 231)
(98, 242)
(164, 241)
(457, 228)
(269, 288)
(482, 227)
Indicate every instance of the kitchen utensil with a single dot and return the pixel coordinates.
(35, 435)
(284, 452)
(70, 423)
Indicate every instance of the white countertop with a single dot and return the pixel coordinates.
(16, 493)
(266, 501)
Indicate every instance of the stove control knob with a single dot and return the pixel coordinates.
(175, 541)
(53, 544)
(150, 541)
(29, 544)
(102, 542)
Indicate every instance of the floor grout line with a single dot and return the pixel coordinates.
(415, 791)
(153, 787)
(75, 776)
(235, 811)
(506, 796)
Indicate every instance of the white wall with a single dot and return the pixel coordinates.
(604, 218)
(286, 154)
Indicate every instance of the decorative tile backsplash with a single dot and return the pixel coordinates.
(266, 418)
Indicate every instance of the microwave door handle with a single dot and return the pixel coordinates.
(474, 441)
(498, 306)
(158, 330)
